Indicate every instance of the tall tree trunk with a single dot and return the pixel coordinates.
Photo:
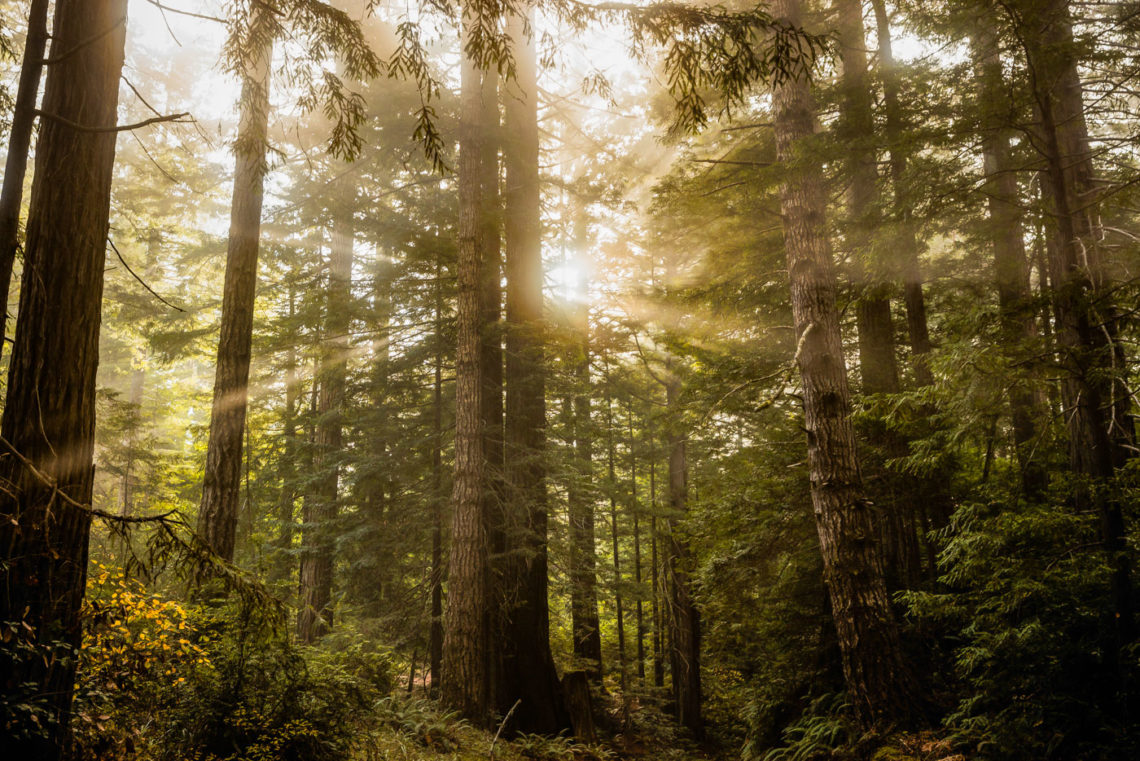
(1011, 266)
(491, 362)
(528, 661)
(612, 485)
(584, 624)
(683, 618)
(315, 615)
(19, 141)
(282, 566)
(221, 481)
(873, 315)
(879, 682)
(655, 582)
(435, 658)
(906, 246)
(636, 510)
(895, 517)
(48, 424)
(465, 642)
(1097, 404)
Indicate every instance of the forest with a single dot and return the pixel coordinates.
(569, 380)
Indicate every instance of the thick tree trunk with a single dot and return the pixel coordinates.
(879, 683)
(48, 424)
(584, 624)
(1011, 266)
(528, 662)
(491, 362)
(19, 142)
(221, 481)
(465, 642)
(684, 621)
(315, 615)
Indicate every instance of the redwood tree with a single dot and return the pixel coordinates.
(48, 424)
(879, 682)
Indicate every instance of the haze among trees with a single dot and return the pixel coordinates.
(569, 380)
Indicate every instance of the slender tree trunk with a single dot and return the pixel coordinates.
(585, 627)
(436, 638)
(48, 424)
(636, 510)
(1011, 266)
(684, 620)
(19, 141)
(895, 516)
(315, 616)
(282, 566)
(655, 579)
(873, 315)
(528, 661)
(465, 642)
(619, 607)
(879, 682)
(906, 245)
(1097, 404)
(221, 481)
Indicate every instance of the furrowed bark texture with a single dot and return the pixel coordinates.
(221, 481)
(49, 415)
(465, 646)
(528, 662)
(878, 680)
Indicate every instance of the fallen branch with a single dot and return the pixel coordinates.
(499, 731)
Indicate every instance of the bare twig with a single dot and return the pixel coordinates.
(499, 731)
(141, 281)
(175, 118)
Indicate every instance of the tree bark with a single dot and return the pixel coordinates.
(906, 246)
(465, 642)
(19, 141)
(879, 682)
(636, 510)
(435, 657)
(49, 415)
(528, 661)
(895, 516)
(684, 621)
(619, 606)
(221, 480)
(318, 537)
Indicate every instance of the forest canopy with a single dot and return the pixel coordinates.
(569, 380)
